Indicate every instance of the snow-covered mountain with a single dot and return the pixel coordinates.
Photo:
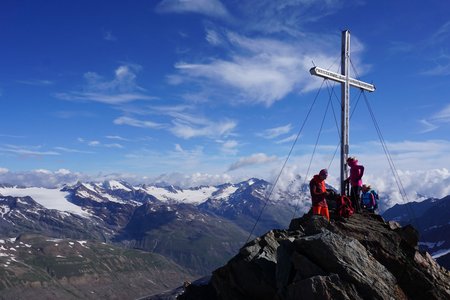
(140, 216)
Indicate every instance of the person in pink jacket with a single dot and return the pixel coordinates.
(355, 179)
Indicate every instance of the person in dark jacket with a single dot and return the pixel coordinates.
(355, 179)
(318, 194)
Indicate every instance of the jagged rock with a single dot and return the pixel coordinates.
(252, 271)
(361, 257)
(394, 225)
(321, 287)
(347, 257)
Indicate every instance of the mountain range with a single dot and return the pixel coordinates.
(196, 230)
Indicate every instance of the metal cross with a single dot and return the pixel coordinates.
(346, 82)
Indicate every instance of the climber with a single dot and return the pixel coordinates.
(356, 174)
(369, 198)
(318, 194)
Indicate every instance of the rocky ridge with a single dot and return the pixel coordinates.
(362, 257)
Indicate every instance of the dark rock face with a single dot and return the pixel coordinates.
(431, 217)
(362, 257)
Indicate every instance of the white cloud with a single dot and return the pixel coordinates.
(40, 178)
(192, 180)
(95, 143)
(178, 148)
(213, 8)
(262, 70)
(63, 172)
(182, 124)
(272, 133)
(188, 126)
(427, 126)
(268, 16)
(69, 150)
(229, 146)
(441, 35)
(108, 36)
(254, 159)
(288, 139)
(121, 89)
(145, 159)
(443, 115)
(418, 185)
(212, 130)
(137, 123)
(27, 151)
(116, 137)
(439, 70)
(213, 37)
(37, 82)
(103, 98)
(74, 114)
(114, 145)
(51, 179)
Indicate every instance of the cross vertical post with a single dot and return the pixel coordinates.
(345, 105)
(346, 81)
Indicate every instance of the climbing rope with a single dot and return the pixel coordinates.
(285, 162)
(314, 150)
(394, 171)
(393, 168)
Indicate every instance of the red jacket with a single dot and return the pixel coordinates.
(318, 191)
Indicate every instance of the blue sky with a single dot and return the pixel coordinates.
(206, 91)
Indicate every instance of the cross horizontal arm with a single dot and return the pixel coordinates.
(341, 78)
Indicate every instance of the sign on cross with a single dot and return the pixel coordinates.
(345, 81)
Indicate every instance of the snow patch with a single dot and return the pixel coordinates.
(54, 240)
(96, 194)
(49, 198)
(4, 209)
(192, 196)
(225, 193)
(83, 243)
(116, 185)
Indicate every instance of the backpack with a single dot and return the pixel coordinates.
(375, 198)
(345, 208)
(369, 200)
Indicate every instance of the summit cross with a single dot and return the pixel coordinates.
(346, 82)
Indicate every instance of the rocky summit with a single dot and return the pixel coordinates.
(362, 257)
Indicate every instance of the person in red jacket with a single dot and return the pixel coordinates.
(355, 179)
(318, 194)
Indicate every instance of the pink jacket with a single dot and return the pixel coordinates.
(356, 173)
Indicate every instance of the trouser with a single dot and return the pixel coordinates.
(355, 197)
(321, 210)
